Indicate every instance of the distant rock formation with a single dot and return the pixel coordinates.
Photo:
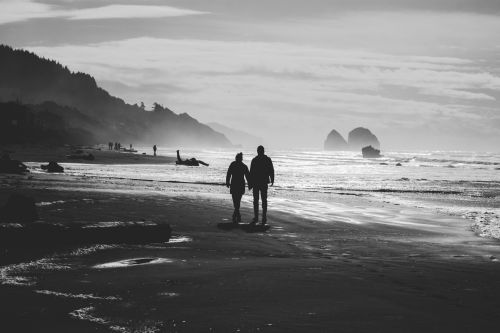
(361, 137)
(335, 141)
(370, 152)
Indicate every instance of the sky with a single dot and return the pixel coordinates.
(421, 75)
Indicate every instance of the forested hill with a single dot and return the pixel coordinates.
(31, 80)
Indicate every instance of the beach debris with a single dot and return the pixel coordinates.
(189, 162)
(370, 152)
(47, 234)
(399, 164)
(52, 167)
(19, 208)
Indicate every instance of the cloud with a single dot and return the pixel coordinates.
(23, 10)
(129, 11)
(259, 84)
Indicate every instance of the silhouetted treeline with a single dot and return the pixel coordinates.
(76, 98)
(44, 123)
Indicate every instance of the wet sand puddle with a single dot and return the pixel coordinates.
(73, 271)
(133, 262)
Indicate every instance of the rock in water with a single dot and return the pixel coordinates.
(362, 137)
(52, 167)
(335, 141)
(19, 208)
(370, 152)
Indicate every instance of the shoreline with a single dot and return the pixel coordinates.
(44, 154)
(370, 266)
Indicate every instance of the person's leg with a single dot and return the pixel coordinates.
(237, 206)
(255, 204)
(263, 194)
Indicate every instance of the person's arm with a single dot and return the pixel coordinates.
(250, 180)
(247, 176)
(271, 171)
(228, 175)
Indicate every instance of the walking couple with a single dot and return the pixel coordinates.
(260, 175)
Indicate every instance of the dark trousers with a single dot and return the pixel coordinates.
(262, 189)
(237, 202)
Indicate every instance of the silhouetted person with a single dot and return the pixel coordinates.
(154, 150)
(261, 174)
(235, 180)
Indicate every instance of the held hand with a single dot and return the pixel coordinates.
(272, 183)
(227, 185)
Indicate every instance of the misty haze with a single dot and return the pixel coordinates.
(247, 166)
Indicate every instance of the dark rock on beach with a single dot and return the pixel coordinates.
(19, 209)
(52, 167)
(12, 166)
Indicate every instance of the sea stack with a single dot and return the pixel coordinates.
(361, 137)
(335, 141)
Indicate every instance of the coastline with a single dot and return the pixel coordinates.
(369, 266)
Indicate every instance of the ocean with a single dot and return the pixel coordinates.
(465, 184)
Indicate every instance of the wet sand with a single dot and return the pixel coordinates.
(367, 267)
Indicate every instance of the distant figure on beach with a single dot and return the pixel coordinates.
(154, 150)
(261, 174)
(235, 180)
(110, 145)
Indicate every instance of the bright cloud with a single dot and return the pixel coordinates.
(129, 11)
(23, 10)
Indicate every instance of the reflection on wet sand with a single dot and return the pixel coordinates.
(133, 262)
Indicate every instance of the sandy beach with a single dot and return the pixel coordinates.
(368, 267)
(101, 155)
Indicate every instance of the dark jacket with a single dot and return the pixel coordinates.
(235, 177)
(261, 171)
